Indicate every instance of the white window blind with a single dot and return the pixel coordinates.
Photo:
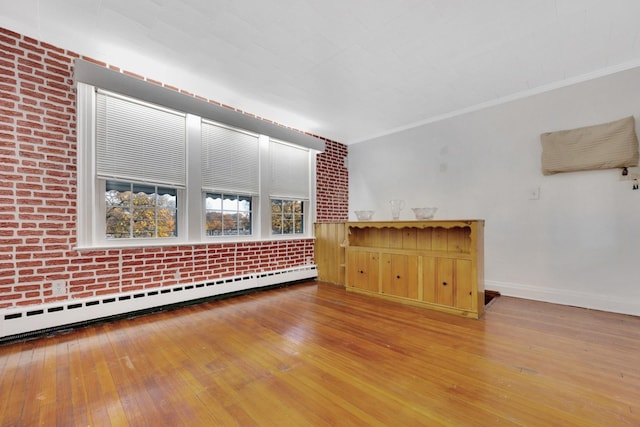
(139, 142)
(230, 160)
(289, 171)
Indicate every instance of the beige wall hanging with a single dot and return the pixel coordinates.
(604, 146)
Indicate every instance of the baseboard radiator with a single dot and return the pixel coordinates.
(23, 322)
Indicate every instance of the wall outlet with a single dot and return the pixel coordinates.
(58, 288)
(177, 275)
(534, 193)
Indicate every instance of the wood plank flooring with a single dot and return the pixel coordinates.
(314, 355)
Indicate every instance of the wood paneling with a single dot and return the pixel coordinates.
(330, 252)
(315, 355)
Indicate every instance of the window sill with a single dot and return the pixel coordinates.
(209, 241)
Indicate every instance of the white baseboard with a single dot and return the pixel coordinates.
(566, 297)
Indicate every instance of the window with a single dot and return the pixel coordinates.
(287, 216)
(289, 188)
(140, 168)
(227, 215)
(149, 175)
(230, 165)
(140, 211)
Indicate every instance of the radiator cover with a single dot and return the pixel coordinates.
(23, 322)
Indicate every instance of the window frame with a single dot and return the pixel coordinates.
(238, 197)
(100, 216)
(132, 210)
(302, 214)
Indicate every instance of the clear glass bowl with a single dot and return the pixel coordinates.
(364, 215)
(424, 213)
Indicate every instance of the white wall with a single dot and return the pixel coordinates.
(579, 244)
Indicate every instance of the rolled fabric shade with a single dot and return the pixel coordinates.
(603, 146)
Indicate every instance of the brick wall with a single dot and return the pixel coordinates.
(38, 197)
(332, 184)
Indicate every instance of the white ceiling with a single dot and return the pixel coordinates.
(347, 70)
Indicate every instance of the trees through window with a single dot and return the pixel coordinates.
(227, 215)
(287, 216)
(140, 211)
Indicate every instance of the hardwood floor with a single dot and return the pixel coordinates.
(312, 354)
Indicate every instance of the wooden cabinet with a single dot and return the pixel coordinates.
(435, 264)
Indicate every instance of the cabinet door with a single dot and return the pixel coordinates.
(363, 270)
(445, 286)
(464, 285)
(453, 284)
(400, 275)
